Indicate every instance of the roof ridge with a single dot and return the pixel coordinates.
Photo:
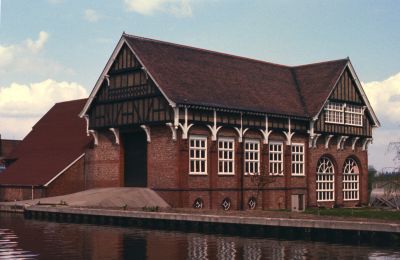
(205, 50)
(320, 63)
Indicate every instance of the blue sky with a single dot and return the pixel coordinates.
(62, 45)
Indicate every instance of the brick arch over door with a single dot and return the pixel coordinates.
(325, 179)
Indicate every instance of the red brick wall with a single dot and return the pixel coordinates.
(19, 193)
(103, 163)
(338, 158)
(168, 170)
(72, 180)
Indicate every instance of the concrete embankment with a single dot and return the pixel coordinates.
(309, 229)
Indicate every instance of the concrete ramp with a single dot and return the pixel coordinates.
(104, 198)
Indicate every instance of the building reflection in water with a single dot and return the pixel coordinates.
(31, 239)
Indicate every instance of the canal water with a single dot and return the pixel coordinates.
(33, 239)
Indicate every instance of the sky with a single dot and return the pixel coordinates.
(54, 50)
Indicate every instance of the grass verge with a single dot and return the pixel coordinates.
(370, 213)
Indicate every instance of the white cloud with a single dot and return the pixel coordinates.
(180, 8)
(27, 57)
(36, 46)
(21, 105)
(91, 15)
(384, 97)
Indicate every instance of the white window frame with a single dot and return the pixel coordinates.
(325, 180)
(224, 152)
(298, 160)
(334, 110)
(276, 163)
(351, 180)
(354, 115)
(249, 160)
(196, 158)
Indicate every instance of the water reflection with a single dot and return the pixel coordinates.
(31, 239)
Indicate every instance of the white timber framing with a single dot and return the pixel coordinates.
(353, 144)
(185, 127)
(266, 132)
(312, 143)
(147, 130)
(240, 130)
(107, 77)
(360, 89)
(366, 142)
(214, 129)
(341, 140)
(115, 131)
(289, 134)
(86, 117)
(173, 130)
(327, 140)
(95, 136)
(104, 73)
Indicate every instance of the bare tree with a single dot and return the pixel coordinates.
(261, 180)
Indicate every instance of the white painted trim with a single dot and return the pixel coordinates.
(353, 145)
(104, 73)
(254, 141)
(171, 103)
(327, 140)
(303, 162)
(86, 117)
(95, 136)
(173, 130)
(266, 132)
(115, 131)
(64, 170)
(360, 88)
(241, 132)
(281, 162)
(227, 139)
(214, 129)
(147, 130)
(313, 140)
(341, 140)
(102, 76)
(365, 143)
(289, 134)
(185, 127)
(205, 139)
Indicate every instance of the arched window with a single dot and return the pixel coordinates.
(325, 180)
(351, 185)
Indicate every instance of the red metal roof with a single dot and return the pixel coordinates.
(7, 146)
(55, 141)
(194, 76)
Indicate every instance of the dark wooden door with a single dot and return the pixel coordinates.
(135, 146)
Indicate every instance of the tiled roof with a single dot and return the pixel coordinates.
(194, 76)
(55, 141)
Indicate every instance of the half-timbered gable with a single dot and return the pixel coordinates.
(345, 112)
(127, 96)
